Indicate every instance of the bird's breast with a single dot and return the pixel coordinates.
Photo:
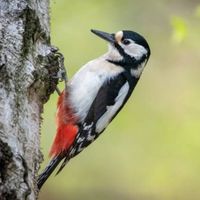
(86, 83)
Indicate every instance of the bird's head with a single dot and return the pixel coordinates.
(126, 48)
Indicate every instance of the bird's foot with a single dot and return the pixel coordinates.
(61, 74)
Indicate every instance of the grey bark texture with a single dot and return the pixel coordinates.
(27, 62)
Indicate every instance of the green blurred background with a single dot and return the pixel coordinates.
(151, 151)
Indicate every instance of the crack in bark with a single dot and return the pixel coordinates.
(25, 166)
(5, 158)
(11, 195)
(32, 30)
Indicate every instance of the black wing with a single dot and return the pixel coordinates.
(106, 97)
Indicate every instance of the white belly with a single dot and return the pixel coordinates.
(86, 83)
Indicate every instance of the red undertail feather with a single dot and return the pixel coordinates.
(66, 127)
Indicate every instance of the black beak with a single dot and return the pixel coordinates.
(106, 36)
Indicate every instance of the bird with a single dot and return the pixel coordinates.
(95, 95)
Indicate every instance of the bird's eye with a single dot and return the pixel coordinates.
(126, 42)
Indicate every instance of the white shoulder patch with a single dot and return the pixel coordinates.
(111, 110)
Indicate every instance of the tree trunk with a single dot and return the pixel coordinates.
(27, 61)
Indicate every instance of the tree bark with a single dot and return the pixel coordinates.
(27, 61)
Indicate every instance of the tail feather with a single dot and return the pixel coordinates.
(62, 165)
(48, 170)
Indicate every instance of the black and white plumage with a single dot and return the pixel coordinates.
(98, 91)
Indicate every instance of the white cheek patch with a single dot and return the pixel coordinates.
(111, 110)
(134, 50)
(137, 72)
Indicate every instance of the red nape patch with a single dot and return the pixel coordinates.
(64, 138)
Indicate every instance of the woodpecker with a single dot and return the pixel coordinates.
(95, 95)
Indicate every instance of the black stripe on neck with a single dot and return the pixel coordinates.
(127, 62)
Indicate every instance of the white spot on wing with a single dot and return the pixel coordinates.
(72, 151)
(80, 148)
(111, 110)
(80, 139)
(87, 127)
(90, 137)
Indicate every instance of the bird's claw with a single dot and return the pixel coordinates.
(62, 73)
